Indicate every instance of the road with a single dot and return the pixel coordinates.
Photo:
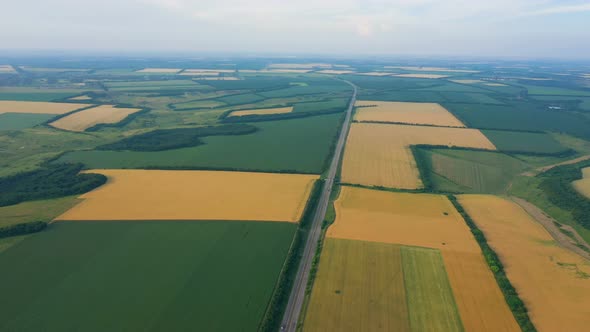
(297, 296)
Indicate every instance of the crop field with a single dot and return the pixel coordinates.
(583, 185)
(402, 112)
(335, 72)
(469, 97)
(521, 116)
(421, 68)
(553, 282)
(148, 276)
(154, 85)
(300, 145)
(466, 81)
(159, 70)
(10, 106)
(432, 76)
(554, 91)
(429, 221)
(406, 96)
(472, 171)
(368, 286)
(263, 111)
(91, 117)
(16, 121)
(36, 94)
(318, 106)
(247, 98)
(380, 155)
(83, 97)
(584, 102)
(196, 104)
(42, 210)
(513, 141)
(194, 195)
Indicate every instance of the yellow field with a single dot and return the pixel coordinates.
(263, 111)
(9, 106)
(433, 76)
(195, 195)
(160, 70)
(583, 185)
(431, 221)
(553, 282)
(335, 72)
(402, 112)
(300, 65)
(359, 287)
(416, 68)
(466, 81)
(85, 119)
(376, 73)
(6, 69)
(84, 97)
(380, 155)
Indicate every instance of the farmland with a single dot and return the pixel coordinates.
(38, 107)
(379, 154)
(401, 218)
(40, 210)
(159, 70)
(262, 111)
(400, 112)
(370, 286)
(15, 121)
(552, 281)
(153, 275)
(301, 145)
(85, 119)
(194, 195)
(514, 141)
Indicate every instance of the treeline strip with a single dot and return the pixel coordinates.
(557, 185)
(22, 229)
(50, 181)
(278, 302)
(514, 302)
(167, 139)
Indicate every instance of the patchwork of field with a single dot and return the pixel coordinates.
(375, 73)
(583, 185)
(10, 106)
(380, 154)
(299, 145)
(432, 76)
(6, 69)
(466, 81)
(263, 111)
(404, 112)
(159, 70)
(91, 117)
(194, 195)
(205, 72)
(430, 221)
(300, 65)
(335, 72)
(369, 286)
(148, 276)
(553, 282)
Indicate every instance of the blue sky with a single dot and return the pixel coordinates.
(512, 28)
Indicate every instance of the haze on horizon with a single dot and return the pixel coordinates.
(511, 28)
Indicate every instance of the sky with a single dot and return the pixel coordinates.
(507, 28)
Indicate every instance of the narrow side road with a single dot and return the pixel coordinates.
(297, 296)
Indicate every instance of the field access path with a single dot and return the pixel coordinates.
(293, 310)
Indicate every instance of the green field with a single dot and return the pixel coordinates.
(404, 95)
(42, 210)
(37, 94)
(142, 276)
(318, 106)
(521, 116)
(16, 121)
(307, 90)
(474, 98)
(524, 141)
(584, 102)
(369, 286)
(300, 145)
(471, 171)
(554, 91)
(246, 98)
(155, 85)
(207, 103)
(431, 304)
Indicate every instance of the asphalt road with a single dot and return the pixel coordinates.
(297, 296)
